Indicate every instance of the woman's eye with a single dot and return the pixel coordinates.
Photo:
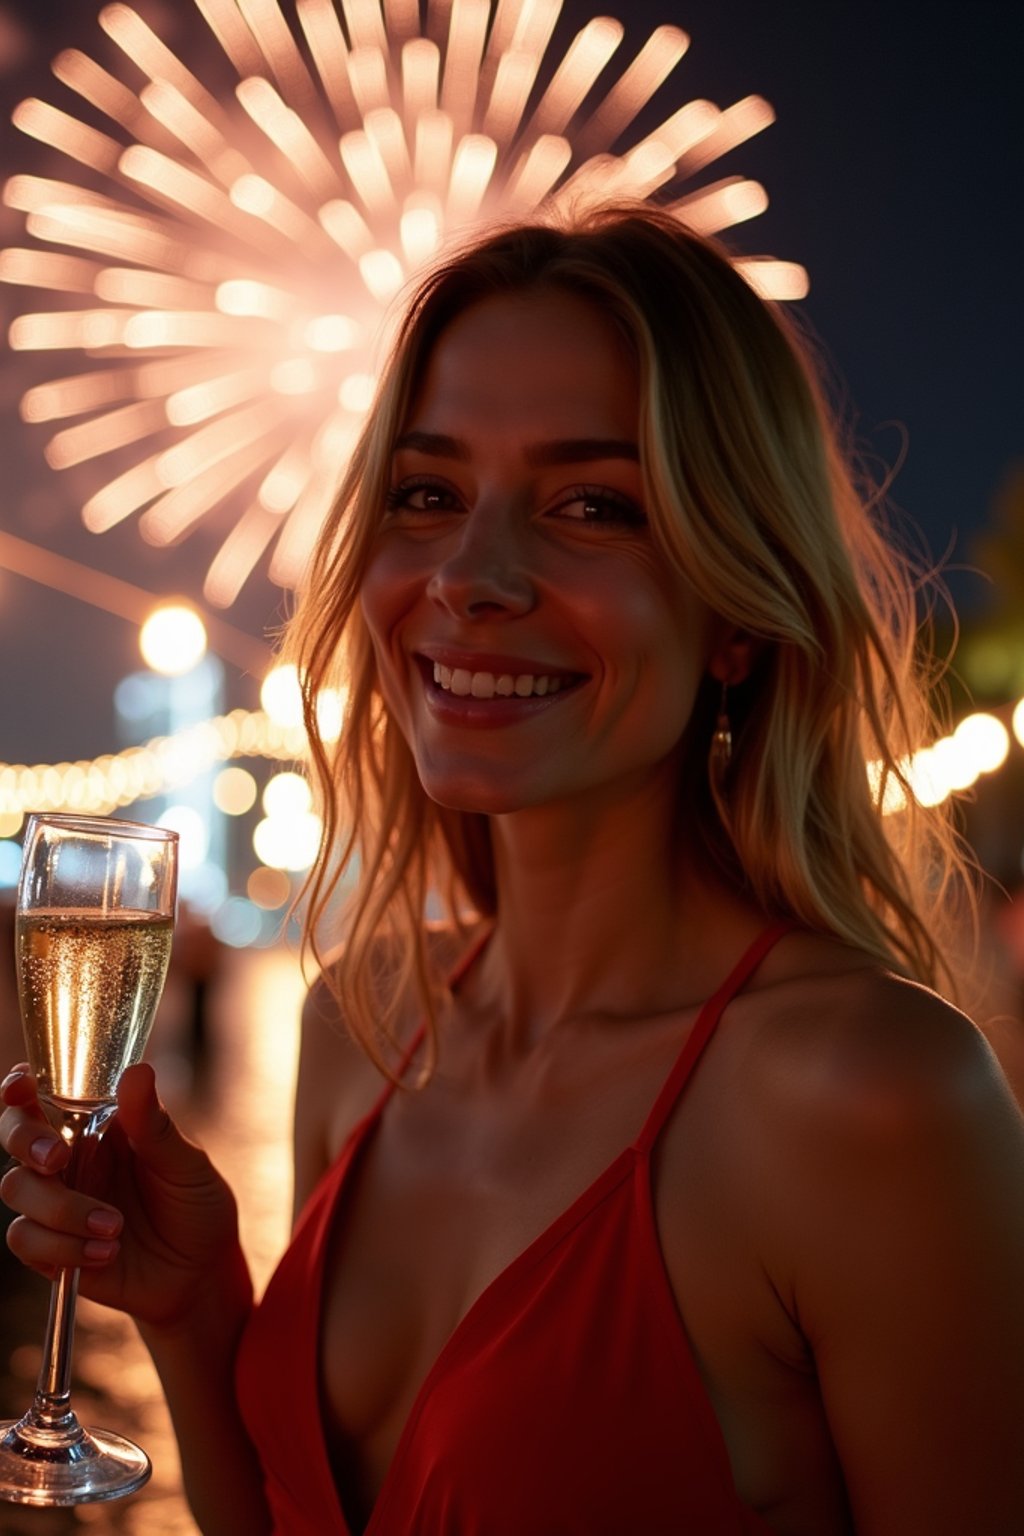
(420, 496)
(584, 505)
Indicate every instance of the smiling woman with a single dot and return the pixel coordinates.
(649, 1186)
(527, 635)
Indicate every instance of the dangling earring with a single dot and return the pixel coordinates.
(721, 743)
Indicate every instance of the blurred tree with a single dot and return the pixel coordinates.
(990, 657)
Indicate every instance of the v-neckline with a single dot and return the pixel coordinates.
(611, 1176)
(638, 1150)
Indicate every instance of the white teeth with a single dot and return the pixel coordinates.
(485, 685)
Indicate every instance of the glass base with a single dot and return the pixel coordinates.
(54, 1467)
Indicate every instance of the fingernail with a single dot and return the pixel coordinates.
(12, 1077)
(42, 1150)
(99, 1252)
(103, 1223)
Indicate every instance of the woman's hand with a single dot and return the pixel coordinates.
(151, 1223)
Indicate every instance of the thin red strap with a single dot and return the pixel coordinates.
(704, 1028)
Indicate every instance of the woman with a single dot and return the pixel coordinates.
(696, 1209)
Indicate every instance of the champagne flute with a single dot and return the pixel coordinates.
(93, 928)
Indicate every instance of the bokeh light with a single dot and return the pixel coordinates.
(192, 833)
(268, 888)
(984, 741)
(1018, 721)
(234, 791)
(10, 864)
(237, 922)
(11, 823)
(281, 696)
(173, 640)
(287, 794)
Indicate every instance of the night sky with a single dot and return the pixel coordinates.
(895, 171)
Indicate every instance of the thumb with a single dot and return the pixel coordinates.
(149, 1129)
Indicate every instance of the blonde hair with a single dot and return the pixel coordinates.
(752, 499)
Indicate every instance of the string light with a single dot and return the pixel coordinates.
(223, 297)
(979, 745)
(116, 780)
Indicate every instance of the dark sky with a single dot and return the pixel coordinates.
(895, 171)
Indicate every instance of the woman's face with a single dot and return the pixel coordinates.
(531, 642)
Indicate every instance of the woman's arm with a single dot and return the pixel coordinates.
(898, 1160)
(154, 1230)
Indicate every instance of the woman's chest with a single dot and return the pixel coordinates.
(438, 1214)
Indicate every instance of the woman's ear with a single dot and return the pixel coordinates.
(734, 656)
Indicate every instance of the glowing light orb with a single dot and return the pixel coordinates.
(287, 794)
(172, 640)
(268, 888)
(985, 741)
(223, 296)
(281, 697)
(234, 791)
(287, 843)
(192, 833)
(1017, 721)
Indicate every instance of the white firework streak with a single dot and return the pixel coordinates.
(236, 277)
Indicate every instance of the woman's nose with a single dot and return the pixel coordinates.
(486, 572)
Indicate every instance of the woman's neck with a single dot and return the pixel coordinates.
(602, 911)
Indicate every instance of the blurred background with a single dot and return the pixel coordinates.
(892, 172)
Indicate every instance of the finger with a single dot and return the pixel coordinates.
(49, 1203)
(152, 1134)
(27, 1135)
(18, 1073)
(20, 1087)
(47, 1251)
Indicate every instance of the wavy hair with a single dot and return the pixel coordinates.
(753, 498)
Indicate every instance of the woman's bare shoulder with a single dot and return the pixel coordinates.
(868, 1093)
(886, 1155)
(833, 1029)
(338, 1080)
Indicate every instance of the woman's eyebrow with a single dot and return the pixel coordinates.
(437, 444)
(573, 450)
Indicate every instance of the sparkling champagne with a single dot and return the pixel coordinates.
(89, 988)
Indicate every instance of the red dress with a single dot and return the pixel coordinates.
(566, 1403)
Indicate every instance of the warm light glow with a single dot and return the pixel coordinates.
(926, 779)
(234, 791)
(287, 842)
(1018, 721)
(235, 262)
(173, 640)
(268, 888)
(281, 696)
(892, 794)
(193, 837)
(382, 273)
(984, 740)
(111, 782)
(330, 713)
(331, 333)
(287, 794)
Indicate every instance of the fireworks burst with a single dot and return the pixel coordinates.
(233, 279)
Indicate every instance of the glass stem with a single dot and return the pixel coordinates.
(52, 1407)
(51, 1410)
